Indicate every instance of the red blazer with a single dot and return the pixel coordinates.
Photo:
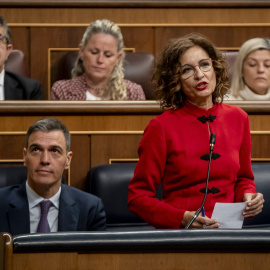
(174, 151)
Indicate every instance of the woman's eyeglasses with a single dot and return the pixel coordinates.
(204, 65)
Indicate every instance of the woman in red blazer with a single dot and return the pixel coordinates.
(191, 78)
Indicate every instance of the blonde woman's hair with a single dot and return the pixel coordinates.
(116, 87)
(247, 47)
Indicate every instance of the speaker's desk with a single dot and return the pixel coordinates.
(157, 250)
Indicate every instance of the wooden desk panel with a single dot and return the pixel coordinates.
(173, 261)
(149, 261)
(45, 261)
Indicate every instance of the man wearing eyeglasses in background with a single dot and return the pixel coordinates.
(13, 86)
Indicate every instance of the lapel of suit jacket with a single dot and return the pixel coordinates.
(18, 212)
(68, 216)
(10, 86)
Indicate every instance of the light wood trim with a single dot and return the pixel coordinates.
(148, 107)
(137, 3)
(260, 132)
(113, 160)
(144, 24)
(62, 49)
(12, 133)
(103, 107)
(130, 50)
(111, 132)
(260, 159)
(11, 160)
(76, 49)
(6, 249)
(114, 132)
(50, 50)
(228, 48)
(102, 132)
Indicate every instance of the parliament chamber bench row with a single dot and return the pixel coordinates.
(110, 183)
(138, 67)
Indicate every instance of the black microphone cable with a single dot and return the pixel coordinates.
(212, 143)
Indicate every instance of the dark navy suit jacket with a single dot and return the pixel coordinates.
(78, 210)
(18, 87)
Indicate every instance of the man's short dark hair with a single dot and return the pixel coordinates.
(47, 125)
(6, 28)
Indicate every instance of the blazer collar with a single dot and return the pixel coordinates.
(18, 212)
(68, 216)
(196, 111)
(10, 88)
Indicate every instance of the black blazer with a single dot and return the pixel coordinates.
(78, 210)
(18, 87)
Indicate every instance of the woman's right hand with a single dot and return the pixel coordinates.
(200, 222)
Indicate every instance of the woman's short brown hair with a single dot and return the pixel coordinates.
(167, 77)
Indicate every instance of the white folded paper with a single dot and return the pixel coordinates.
(229, 215)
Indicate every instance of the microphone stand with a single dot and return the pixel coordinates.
(212, 143)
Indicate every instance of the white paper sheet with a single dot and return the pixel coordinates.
(229, 215)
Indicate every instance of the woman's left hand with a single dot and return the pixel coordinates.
(254, 204)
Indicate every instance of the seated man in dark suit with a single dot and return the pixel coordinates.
(13, 86)
(43, 204)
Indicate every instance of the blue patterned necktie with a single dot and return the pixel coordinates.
(43, 226)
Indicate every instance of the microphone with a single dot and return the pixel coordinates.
(212, 143)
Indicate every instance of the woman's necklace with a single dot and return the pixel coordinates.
(97, 90)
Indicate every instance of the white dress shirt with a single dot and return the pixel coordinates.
(34, 209)
(90, 96)
(2, 92)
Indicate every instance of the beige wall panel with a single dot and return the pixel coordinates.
(222, 36)
(20, 38)
(104, 147)
(80, 164)
(18, 123)
(81, 122)
(140, 38)
(259, 122)
(107, 123)
(260, 146)
(56, 59)
(43, 38)
(11, 147)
